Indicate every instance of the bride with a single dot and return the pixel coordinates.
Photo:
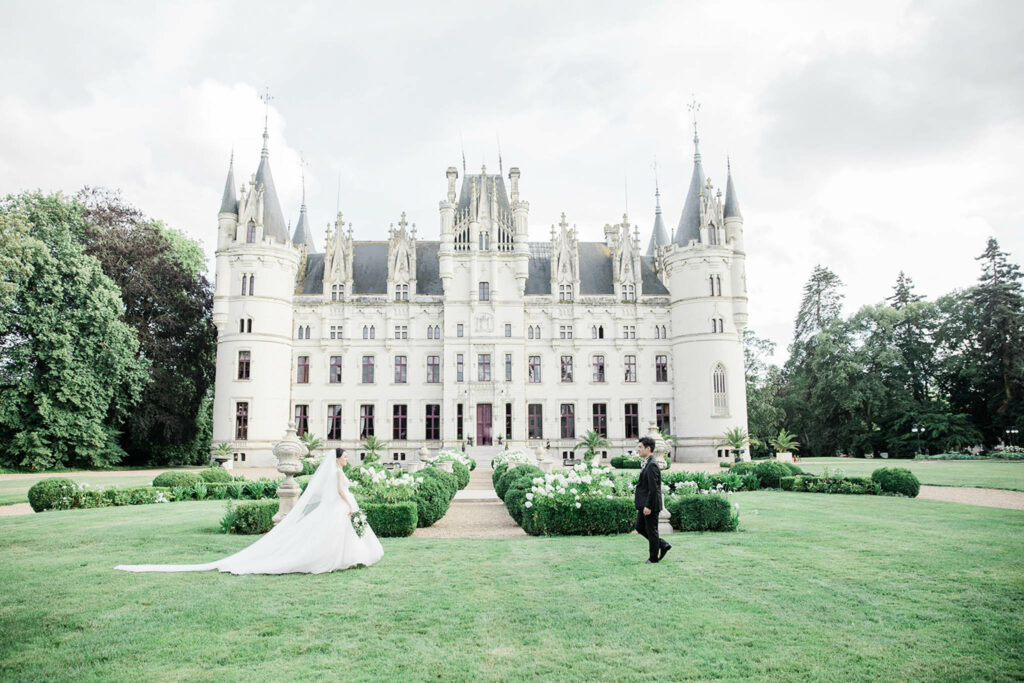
(316, 536)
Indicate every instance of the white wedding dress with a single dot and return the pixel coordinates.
(315, 537)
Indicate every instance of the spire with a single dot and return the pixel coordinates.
(302, 233)
(266, 97)
(229, 202)
(732, 203)
(689, 221)
(273, 218)
(659, 235)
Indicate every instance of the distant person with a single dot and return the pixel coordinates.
(647, 499)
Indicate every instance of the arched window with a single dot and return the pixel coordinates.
(366, 332)
(714, 325)
(718, 286)
(250, 232)
(537, 333)
(245, 281)
(437, 331)
(721, 397)
(711, 278)
(600, 331)
(298, 334)
(664, 332)
(430, 331)
(252, 283)
(529, 332)
(307, 331)
(373, 332)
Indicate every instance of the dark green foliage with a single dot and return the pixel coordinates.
(254, 517)
(527, 472)
(769, 472)
(215, 475)
(725, 465)
(447, 479)
(461, 473)
(308, 467)
(742, 468)
(624, 462)
(703, 512)
(497, 474)
(71, 371)
(786, 483)
(138, 495)
(793, 469)
(47, 494)
(844, 485)
(515, 498)
(597, 517)
(432, 500)
(390, 520)
(171, 479)
(897, 480)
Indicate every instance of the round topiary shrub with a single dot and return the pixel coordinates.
(254, 517)
(215, 475)
(515, 498)
(770, 472)
(625, 462)
(897, 480)
(52, 494)
(448, 479)
(432, 500)
(742, 468)
(499, 471)
(181, 479)
(461, 473)
(527, 472)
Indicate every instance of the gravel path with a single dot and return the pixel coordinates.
(991, 498)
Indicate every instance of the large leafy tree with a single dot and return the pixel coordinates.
(169, 303)
(764, 383)
(70, 370)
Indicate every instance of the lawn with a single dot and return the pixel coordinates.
(16, 490)
(989, 475)
(813, 587)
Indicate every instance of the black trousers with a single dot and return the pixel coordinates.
(647, 526)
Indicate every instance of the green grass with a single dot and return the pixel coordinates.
(989, 475)
(16, 490)
(813, 587)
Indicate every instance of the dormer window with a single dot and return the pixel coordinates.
(565, 292)
(629, 292)
(337, 292)
(250, 232)
(485, 240)
(402, 292)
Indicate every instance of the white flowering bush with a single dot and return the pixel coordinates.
(580, 501)
(456, 456)
(510, 456)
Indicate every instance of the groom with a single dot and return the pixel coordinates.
(647, 500)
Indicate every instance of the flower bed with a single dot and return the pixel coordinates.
(830, 484)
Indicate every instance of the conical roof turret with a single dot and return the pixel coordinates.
(302, 233)
(689, 221)
(732, 202)
(273, 218)
(659, 235)
(229, 202)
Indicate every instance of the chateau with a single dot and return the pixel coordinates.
(481, 339)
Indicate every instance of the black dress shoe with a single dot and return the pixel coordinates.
(651, 562)
(664, 550)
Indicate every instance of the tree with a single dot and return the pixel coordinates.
(736, 439)
(903, 292)
(169, 303)
(373, 446)
(591, 442)
(821, 304)
(312, 442)
(764, 384)
(785, 442)
(70, 371)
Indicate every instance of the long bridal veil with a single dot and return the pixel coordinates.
(308, 540)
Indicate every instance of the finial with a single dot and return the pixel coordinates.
(302, 175)
(501, 170)
(402, 223)
(266, 97)
(462, 147)
(728, 165)
(483, 169)
(563, 223)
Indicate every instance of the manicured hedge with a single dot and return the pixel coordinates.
(461, 473)
(172, 479)
(745, 467)
(597, 516)
(390, 520)
(527, 472)
(448, 479)
(254, 516)
(55, 492)
(844, 485)
(499, 471)
(215, 475)
(702, 512)
(897, 480)
(770, 471)
(432, 500)
(624, 462)
(515, 498)
(138, 495)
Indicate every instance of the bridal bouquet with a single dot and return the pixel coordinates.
(359, 523)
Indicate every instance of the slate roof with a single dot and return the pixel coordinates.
(483, 182)
(370, 266)
(273, 218)
(659, 235)
(302, 233)
(732, 202)
(689, 221)
(229, 203)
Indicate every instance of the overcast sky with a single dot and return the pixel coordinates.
(866, 136)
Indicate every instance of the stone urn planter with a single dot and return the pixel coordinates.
(289, 453)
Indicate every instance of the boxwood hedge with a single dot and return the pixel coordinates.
(701, 512)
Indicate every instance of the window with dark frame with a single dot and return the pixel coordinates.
(401, 370)
(568, 420)
(632, 422)
(661, 368)
(335, 372)
(400, 422)
(508, 421)
(534, 370)
(630, 367)
(459, 368)
(600, 413)
(433, 422)
(302, 375)
(367, 369)
(485, 291)
(598, 368)
(365, 421)
(566, 368)
(483, 367)
(301, 419)
(662, 417)
(243, 364)
(433, 369)
(458, 422)
(333, 422)
(508, 367)
(242, 420)
(535, 420)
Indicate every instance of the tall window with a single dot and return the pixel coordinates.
(433, 422)
(430, 331)
(630, 369)
(508, 367)
(300, 332)
(335, 373)
(600, 331)
(373, 332)
(250, 232)
(662, 417)
(483, 367)
(242, 420)
(535, 420)
(437, 331)
(529, 332)
(366, 332)
(433, 369)
(460, 374)
(365, 421)
(720, 395)
(716, 284)
(337, 292)
(458, 422)
(333, 422)
(534, 371)
(568, 421)
(401, 371)
(566, 368)
(508, 329)
(598, 368)
(252, 284)
(458, 330)
(661, 368)
(600, 413)
(302, 376)
(629, 292)
(485, 291)
(367, 369)
(399, 422)
(301, 419)
(402, 292)
(243, 364)
(508, 421)
(565, 292)
(632, 421)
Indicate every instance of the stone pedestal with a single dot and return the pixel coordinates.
(545, 464)
(423, 454)
(784, 456)
(662, 449)
(413, 466)
(289, 453)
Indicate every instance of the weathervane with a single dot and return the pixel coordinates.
(266, 97)
(694, 107)
(302, 173)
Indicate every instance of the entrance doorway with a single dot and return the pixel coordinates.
(483, 424)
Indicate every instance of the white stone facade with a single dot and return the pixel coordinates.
(480, 293)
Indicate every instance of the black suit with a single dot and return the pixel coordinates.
(648, 495)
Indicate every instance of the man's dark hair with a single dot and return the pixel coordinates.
(647, 441)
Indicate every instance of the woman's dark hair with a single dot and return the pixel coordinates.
(338, 452)
(647, 441)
